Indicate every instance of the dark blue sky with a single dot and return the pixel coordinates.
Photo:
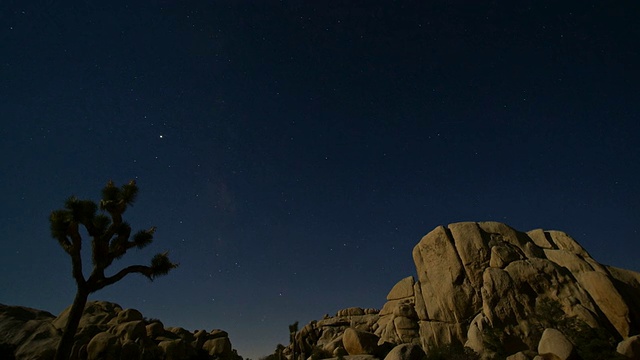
(292, 153)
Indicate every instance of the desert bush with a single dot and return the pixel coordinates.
(454, 351)
(590, 343)
(493, 340)
(319, 353)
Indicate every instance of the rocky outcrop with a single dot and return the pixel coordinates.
(26, 333)
(326, 335)
(495, 290)
(106, 331)
(498, 291)
(475, 276)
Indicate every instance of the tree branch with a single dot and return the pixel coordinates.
(119, 248)
(140, 269)
(101, 253)
(115, 210)
(75, 252)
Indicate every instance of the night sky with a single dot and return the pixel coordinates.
(292, 153)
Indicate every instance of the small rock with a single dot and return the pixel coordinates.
(518, 356)
(630, 347)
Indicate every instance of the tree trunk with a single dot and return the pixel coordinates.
(75, 314)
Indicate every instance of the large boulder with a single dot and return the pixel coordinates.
(628, 284)
(553, 342)
(130, 350)
(95, 313)
(406, 352)
(174, 349)
(403, 289)
(128, 315)
(133, 330)
(218, 347)
(607, 299)
(103, 346)
(155, 329)
(442, 276)
(358, 342)
(182, 333)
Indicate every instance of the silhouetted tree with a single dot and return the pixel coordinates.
(110, 240)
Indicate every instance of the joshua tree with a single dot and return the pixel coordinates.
(109, 240)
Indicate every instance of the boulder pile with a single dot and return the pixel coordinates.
(106, 331)
(499, 293)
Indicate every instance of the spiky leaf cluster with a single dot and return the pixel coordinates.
(110, 192)
(161, 265)
(144, 237)
(129, 192)
(101, 223)
(59, 221)
(81, 211)
(117, 198)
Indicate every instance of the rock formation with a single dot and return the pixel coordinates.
(496, 291)
(499, 292)
(106, 331)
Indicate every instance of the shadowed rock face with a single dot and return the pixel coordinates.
(24, 332)
(476, 276)
(106, 331)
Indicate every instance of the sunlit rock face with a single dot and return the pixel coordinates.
(482, 282)
(478, 275)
